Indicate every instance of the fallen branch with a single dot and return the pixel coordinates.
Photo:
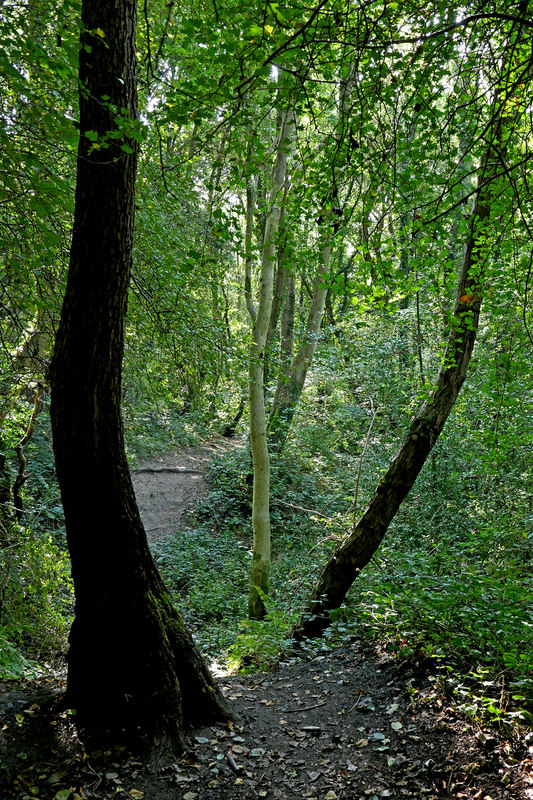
(178, 470)
(305, 708)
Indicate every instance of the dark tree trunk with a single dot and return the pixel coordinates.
(134, 673)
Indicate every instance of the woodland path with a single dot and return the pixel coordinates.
(168, 487)
(350, 723)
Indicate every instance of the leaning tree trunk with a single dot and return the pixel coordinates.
(357, 549)
(134, 673)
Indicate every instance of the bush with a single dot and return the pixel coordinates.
(466, 601)
(37, 597)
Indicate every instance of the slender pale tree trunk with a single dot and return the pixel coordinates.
(357, 549)
(287, 325)
(280, 281)
(292, 380)
(261, 319)
(248, 254)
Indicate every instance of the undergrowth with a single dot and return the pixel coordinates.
(446, 585)
(36, 600)
(457, 602)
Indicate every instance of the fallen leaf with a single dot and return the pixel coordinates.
(396, 725)
(330, 796)
(136, 794)
(391, 709)
(181, 778)
(361, 743)
(55, 777)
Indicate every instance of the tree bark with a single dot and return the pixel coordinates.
(258, 437)
(292, 376)
(357, 549)
(134, 673)
(292, 380)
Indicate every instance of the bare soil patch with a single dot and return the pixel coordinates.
(169, 487)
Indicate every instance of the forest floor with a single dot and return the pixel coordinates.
(353, 723)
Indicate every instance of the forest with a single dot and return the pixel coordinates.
(285, 248)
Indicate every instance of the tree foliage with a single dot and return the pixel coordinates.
(404, 210)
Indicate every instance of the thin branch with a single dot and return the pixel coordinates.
(354, 508)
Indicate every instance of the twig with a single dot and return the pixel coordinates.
(358, 704)
(301, 508)
(233, 764)
(305, 708)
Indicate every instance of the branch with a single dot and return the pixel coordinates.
(21, 478)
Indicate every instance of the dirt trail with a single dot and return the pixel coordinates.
(169, 487)
(353, 723)
(347, 724)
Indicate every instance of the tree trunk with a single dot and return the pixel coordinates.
(357, 549)
(291, 381)
(261, 460)
(134, 673)
(292, 377)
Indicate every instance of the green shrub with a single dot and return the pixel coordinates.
(37, 598)
(466, 601)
